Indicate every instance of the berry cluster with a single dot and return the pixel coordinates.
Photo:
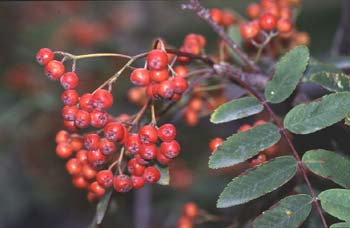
(92, 155)
(194, 44)
(222, 17)
(190, 212)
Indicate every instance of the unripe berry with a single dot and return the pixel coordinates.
(170, 149)
(73, 166)
(70, 97)
(151, 174)
(148, 152)
(159, 75)
(137, 182)
(215, 143)
(105, 178)
(91, 141)
(167, 132)
(140, 77)
(157, 59)
(268, 21)
(97, 189)
(69, 80)
(148, 134)
(102, 99)
(114, 131)
(54, 69)
(64, 150)
(82, 119)
(44, 56)
(99, 118)
(122, 183)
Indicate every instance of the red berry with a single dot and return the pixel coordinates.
(99, 118)
(162, 159)
(114, 131)
(105, 178)
(82, 119)
(268, 21)
(133, 143)
(191, 210)
(166, 89)
(152, 90)
(140, 160)
(167, 132)
(157, 59)
(89, 172)
(151, 174)
(69, 80)
(64, 150)
(70, 97)
(69, 112)
(215, 143)
(107, 147)
(259, 122)
(76, 141)
(257, 160)
(244, 127)
(170, 149)
(122, 183)
(86, 102)
(134, 168)
(228, 18)
(253, 10)
(176, 97)
(92, 197)
(73, 166)
(216, 15)
(70, 125)
(102, 99)
(137, 182)
(80, 182)
(184, 222)
(96, 157)
(44, 56)
(284, 25)
(54, 69)
(181, 71)
(148, 152)
(81, 155)
(148, 134)
(159, 75)
(62, 136)
(180, 84)
(91, 141)
(140, 77)
(249, 30)
(97, 189)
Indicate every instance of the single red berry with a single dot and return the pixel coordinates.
(249, 30)
(70, 97)
(76, 141)
(107, 147)
(180, 84)
(140, 160)
(215, 143)
(96, 157)
(89, 172)
(99, 118)
(137, 182)
(86, 102)
(62, 136)
(259, 122)
(191, 210)
(140, 77)
(170, 149)
(69, 80)
(114, 131)
(268, 21)
(54, 69)
(159, 75)
(122, 183)
(184, 222)
(82, 119)
(105, 178)
(244, 127)
(216, 15)
(162, 159)
(196, 104)
(176, 97)
(228, 18)
(191, 117)
(80, 182)
(73, 166)
(151, 174)
(44, 56)
(181, 71)
(157, 59)
(148, 134)
(81, 155)
(148, 152)
(133, 143)
(284, 25)
(253, 10)
(134, 168)
(152, 90)
(92, 197)
(166, 89)
(70, 125)
(102, 99)
(69, 112)
(97, 189)
(91, 141)
(167, 132)
(64, 150)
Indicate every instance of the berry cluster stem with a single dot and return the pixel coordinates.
(94, 55)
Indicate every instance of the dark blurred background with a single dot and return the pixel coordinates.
(36, 191)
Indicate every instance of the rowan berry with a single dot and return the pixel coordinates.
(114, 131)
(80, 182)
(76, 141)
(140, 160)
(268, 21)
(259, 122)
(166, 89)
(70, 125)
(176, 97)
(162, 159)
(69, 80)
(69, 112)
(159, 75)
(215, 143)
(92, 197)
(122, 183)
(249, 30)
(73, 166)
(216, 15)
(195, 104)
(105, 178)
(157, 59)
(102, 99)
(151, 174)
(191, 210)
(54, 69)
(99, 118)
(88, 172)
(148, 134)
(137, 182)
(133, 143)
(70, 97)
(167, 132)
(191, 117)
(134, 168)
(44, 56)
(253, 10)
(82, 119)
(107, 147)
(91, 141)
(181, 71)
(244, 127)
(64, 150)
(228, 18)
(140, 77)
(258, 160)
(96, 157)
(152, 90)
(180, 84)
(81, 155)
(148, 151)
(170, 149)
(62, 136)
(284, 25)
(184, 222)
(97, 189)
(86, 102)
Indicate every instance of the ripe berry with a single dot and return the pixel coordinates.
(54, 69)
(140, 77)
(69, 80)
(268, 21)
(244, 127)
(191, 117)
(152, 90)
(181, 71)
(134, 168)
(133, 143)
(107, 147)
(91, 141)
(105, 178)
(64, 150)
(140, 160)
(196, 104)
(228, 18)
(122, 183)
(44, 56)
(284, 25)
(92, 197)
(102, 99)
(215, 143)
(76, 141)
(99, 118)
(86, 102)
(191, 210)
(162, 159)
(82, 119)
(170, 149)
(167, 132)
(81, 155)
(80, 182)
(148, 152)
(62, 136)
(180, 84)
(157, 59)
(73, 166)
(89, 172)
(151, 174)
(253, 10)
(184, 222)
(70, 97)
(97, 189)
(216, 15)
(114, 131)
(176, 97)
(166, 89)
(259, 122)
(148, 134)
(70, 125)
(137, 182)
(159, 75)
(96, 157)
(249, 30)
(69, 112)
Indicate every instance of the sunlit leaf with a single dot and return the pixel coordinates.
(336, 82)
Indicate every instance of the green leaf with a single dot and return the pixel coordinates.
(329, 165)
(308, 118)
(236, 109)
(289, 212)
(102, 206)
(336, 82)
(316, 66)
(164, 174)
(258, 182)
(242, 146)
(336, 202)
(340, 225)
(234, 33)
(289, 70)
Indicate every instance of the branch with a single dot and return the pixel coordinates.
(204, 14)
